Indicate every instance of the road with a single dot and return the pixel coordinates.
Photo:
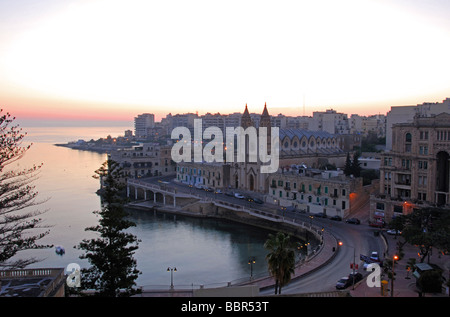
(356, 240)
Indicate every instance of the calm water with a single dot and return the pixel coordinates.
(204, 252)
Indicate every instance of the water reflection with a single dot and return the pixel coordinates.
(205, 251)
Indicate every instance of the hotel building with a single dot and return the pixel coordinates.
(415, 173)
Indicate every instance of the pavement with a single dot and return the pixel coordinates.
(404, 283)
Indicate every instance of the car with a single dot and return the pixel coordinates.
(354, 221)
(258, 201)
(198, 186)
(320, 215)
(229, 193)
(209, 189)
(358, 277)
(344, 282)
(374, 256)
(218, 191)
(336, 218)
(394, 232)
(237, 195)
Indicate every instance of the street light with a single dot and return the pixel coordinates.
(251, 261)
(394, 258)
(171, 270)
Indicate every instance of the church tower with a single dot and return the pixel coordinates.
(266, 122)
(246, 120)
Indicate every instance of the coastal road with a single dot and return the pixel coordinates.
(356, 239)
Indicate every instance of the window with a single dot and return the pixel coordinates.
(408, 142)
(326, 190)
(380, 206)
(408, 137)
(423, 150)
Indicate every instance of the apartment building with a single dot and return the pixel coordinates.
(415, 173)
(142, 123)
(211, 175)
(144, 160)
(316, 191)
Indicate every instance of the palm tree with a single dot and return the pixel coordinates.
(280, 259)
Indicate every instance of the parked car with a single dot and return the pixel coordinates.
(258, 201)
(320, 215)
(358, 277)
(218, 191)
(336, 218)
(374, 256)
(394, 232)
(237, 195)
(209, 189)
(231, 194)
(354, 221)
(344, 282)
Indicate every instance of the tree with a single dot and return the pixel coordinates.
(280, 259)
(113, 269)
(348, 166)
(17, 194)
(355, 166)
(427, 228)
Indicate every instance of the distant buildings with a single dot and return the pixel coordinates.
(142, 123)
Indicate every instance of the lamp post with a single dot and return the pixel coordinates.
(251, 261)
(171, 270)
(394, 258)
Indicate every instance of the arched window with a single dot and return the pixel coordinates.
(408, 142)
(408, 137)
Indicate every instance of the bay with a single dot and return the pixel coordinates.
(204, 251)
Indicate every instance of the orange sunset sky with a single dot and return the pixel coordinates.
(111, 60)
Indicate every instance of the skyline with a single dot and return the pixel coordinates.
(98, 60)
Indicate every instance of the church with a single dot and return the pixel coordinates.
(315, 149)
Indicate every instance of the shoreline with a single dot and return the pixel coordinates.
(317, 258)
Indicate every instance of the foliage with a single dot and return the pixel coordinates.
(17, 194)
(352, 167)
(113, 269)
(280, 259)
(426, 228)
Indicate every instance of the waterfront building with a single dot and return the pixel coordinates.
(316, 191)
(204, 175)
(415, 172)
(144, 160)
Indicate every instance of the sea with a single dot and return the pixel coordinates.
(203, 251)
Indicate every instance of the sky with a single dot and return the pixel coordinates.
(111, 60)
